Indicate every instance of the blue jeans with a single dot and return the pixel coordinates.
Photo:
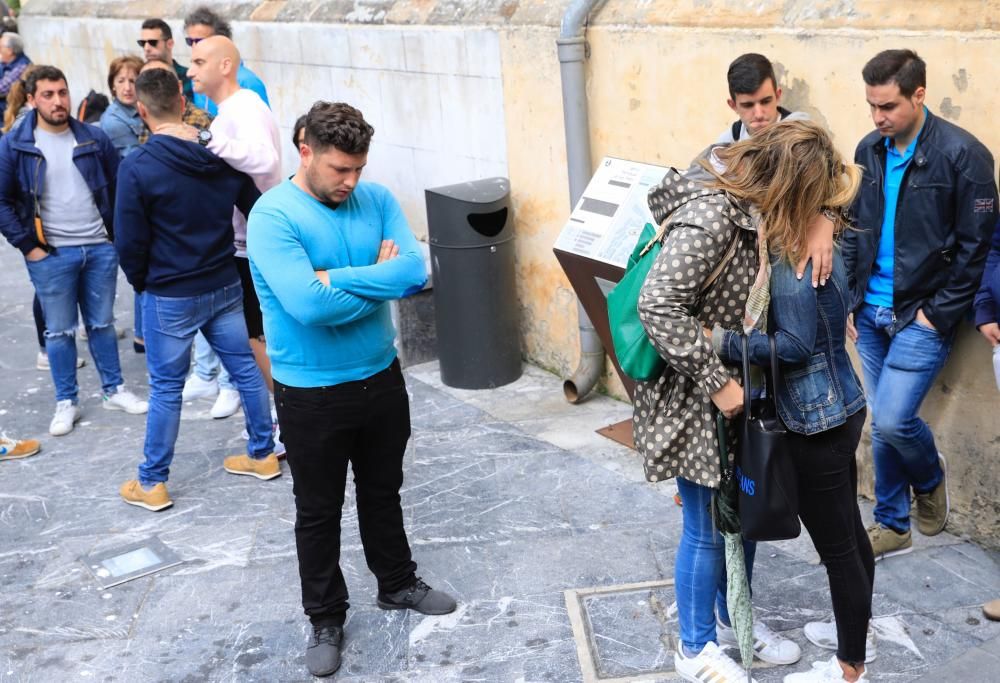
(899, 371)
(84, 277)
(207, 365)
(700, 569)
(170, 325)
(137, 319)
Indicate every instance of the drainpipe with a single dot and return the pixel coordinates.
(572, 47)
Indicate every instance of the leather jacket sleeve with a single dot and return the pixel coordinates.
(975, 215)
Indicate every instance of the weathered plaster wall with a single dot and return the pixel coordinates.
(434, 95)
(470, 88)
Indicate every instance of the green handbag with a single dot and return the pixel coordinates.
(637, 357)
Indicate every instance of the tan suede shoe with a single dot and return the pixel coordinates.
(263, 468)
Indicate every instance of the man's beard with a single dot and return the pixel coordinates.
(52, 121)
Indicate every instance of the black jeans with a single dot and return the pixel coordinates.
(828, 505)
(366, 423)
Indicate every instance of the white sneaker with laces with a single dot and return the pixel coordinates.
(827, 671)
(67, 414)
(226, 404)
(768, 646)
(711, 665)
(196, 387)
(42, 361)
(824, 634)
(125, 400)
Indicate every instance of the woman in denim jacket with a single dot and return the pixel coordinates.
(121, 119)
(819, 396)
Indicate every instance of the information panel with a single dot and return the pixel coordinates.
(607, 220)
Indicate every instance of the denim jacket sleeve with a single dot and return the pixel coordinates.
(792, 314)
(985, 305)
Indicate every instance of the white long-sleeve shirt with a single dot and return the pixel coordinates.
(246, 136)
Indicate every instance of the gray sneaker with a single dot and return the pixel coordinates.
(419, 597)
(933, 507)
(323, 652)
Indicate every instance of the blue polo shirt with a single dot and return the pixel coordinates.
(879, 292)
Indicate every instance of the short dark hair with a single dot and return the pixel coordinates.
(205, 17)
(902, 67)
(300, 123)
(748, 72)
(154, 24)
(159, 91)
(339, 125)
(42, 73)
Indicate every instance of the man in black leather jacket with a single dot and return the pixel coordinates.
(923, 220)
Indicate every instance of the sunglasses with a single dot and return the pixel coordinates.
(152, 43)
(191, 41)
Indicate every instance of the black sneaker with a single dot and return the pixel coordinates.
(419, 597)
(323, 653)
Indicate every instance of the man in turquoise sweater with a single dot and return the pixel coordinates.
(327, 254)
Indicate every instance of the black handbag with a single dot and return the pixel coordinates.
(769, 494)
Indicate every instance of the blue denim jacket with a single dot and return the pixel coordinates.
(817, 386)
(123, 125)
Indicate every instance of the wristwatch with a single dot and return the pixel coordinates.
(204, 137)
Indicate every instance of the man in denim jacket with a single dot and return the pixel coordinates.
(57, 182)
(923, 217)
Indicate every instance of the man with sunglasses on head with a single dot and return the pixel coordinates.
(204, 23)
(157, 43)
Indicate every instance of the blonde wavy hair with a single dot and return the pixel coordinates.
(17, 97)
(790, 171)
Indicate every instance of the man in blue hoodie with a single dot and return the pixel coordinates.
(327, 254)
(174, 238)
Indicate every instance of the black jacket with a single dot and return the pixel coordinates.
(944, 218)
(174, 217)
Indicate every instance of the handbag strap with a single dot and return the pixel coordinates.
(746, 374)
(726, 258)
(773, 376)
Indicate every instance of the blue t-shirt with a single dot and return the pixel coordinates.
(320, 335)
(880, 284)
(245, 78)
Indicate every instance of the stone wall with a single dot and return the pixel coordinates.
(462, 89)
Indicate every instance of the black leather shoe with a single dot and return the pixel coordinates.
(419, 597)
(323, 653)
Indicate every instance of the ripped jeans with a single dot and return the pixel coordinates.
(81, 277)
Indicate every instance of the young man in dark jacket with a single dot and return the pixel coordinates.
(57, 187)
(924, 217)
(174, 235)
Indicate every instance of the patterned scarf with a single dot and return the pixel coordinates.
(755, 315)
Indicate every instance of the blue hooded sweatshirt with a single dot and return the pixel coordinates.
(174, 217)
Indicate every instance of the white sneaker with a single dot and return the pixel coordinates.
(711, 665)
(125, 400)
(768, 646)
(226, 404)
(196, 387)
(827, 671)
(279, 447)
(824, 634)
(67, 414)
(42, 361)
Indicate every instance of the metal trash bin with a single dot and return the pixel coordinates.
(475, 291)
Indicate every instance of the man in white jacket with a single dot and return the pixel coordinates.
(244, 134)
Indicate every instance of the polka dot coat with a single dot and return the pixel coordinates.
(674, 417)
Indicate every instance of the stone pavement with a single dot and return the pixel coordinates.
(559, 553)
